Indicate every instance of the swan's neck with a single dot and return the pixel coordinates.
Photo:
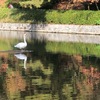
(24, 39)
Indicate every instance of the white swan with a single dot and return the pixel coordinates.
(22, 45)
(22, 57)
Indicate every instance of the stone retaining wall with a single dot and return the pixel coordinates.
(81, 29)
(52, 32)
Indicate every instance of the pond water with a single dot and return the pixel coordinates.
(45, 71)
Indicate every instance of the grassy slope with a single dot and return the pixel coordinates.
(49, 16)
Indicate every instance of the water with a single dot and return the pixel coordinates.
(36, 73)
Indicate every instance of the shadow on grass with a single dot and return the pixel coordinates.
(30, 15)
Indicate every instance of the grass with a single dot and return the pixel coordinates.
(36, 3)
(50, 16)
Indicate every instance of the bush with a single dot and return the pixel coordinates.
(98, 22)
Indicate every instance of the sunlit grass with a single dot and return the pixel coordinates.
(49, 16)
(36, 3)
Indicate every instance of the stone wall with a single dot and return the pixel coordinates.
(55, 28)
(52, 32)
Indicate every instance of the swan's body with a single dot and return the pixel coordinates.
(22, 57)
(22, 45)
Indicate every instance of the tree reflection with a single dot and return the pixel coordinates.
(53, 76)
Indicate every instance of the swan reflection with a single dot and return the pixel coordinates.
(22, 57)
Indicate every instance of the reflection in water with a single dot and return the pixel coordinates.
(53, 76)
(48, 75)
(22, 57)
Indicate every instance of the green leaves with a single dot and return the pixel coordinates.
(8, 1)
(98, 22)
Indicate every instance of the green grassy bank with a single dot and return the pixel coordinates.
(81, 17)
